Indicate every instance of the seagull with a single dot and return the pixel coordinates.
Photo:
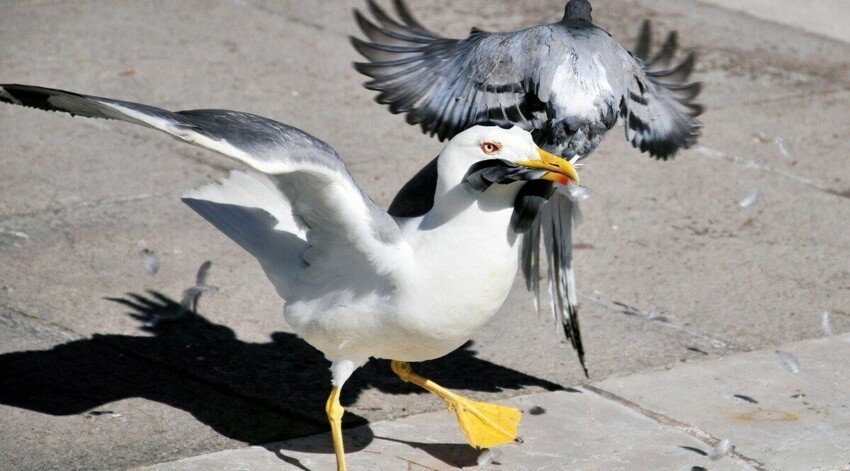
(567, 83)
(359, 283)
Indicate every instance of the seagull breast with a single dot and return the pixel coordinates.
(466, 260)
(464, 250)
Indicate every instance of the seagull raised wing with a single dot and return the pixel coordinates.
(304, 218)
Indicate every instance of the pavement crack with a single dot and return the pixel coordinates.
(696, 432)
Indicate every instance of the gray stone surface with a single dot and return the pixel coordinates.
(785, 420)
(774, 419)
(815, 17)
(613, 437)
(80, 198)
(76, 403)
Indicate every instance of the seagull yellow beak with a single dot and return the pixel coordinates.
(558, 170)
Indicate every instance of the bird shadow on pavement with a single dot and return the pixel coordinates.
(251, 392)
(459, 455)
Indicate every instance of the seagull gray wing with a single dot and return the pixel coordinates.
(308, 192)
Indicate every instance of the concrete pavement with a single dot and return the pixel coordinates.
(89, 386)
(774, 419)
(815, 17)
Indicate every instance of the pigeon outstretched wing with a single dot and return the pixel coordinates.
(529, 78)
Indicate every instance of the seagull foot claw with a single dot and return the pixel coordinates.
(484, 425)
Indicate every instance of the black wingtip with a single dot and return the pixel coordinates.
(528, 204)
(685, 92)
(642, 44)
(386, 20)
(5, 97)
(362, 22)
(695, 109)
(32, 96)
(23, 95)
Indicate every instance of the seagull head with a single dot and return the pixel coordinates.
(487, 155)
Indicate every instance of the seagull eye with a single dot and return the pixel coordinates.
(490, 147)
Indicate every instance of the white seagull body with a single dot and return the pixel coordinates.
(359, 283)
(409, 289)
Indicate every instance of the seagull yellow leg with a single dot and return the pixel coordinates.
(335, 411)
(485, 425)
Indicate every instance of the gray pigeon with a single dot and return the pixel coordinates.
(568, 83)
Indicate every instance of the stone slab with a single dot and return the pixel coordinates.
(788, 421)
(816, 17)
(562, 430)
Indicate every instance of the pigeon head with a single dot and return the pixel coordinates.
(578, 10)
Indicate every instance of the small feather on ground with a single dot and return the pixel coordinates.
(16, 234)
(791, 362)
(654, 314)
(826, 323)
(150, 261)
(722, 449)
(783, 149)
(745, 398)
(751, 199)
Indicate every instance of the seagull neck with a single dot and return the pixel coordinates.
(457, 206)
(454, 204)
(449, 203)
